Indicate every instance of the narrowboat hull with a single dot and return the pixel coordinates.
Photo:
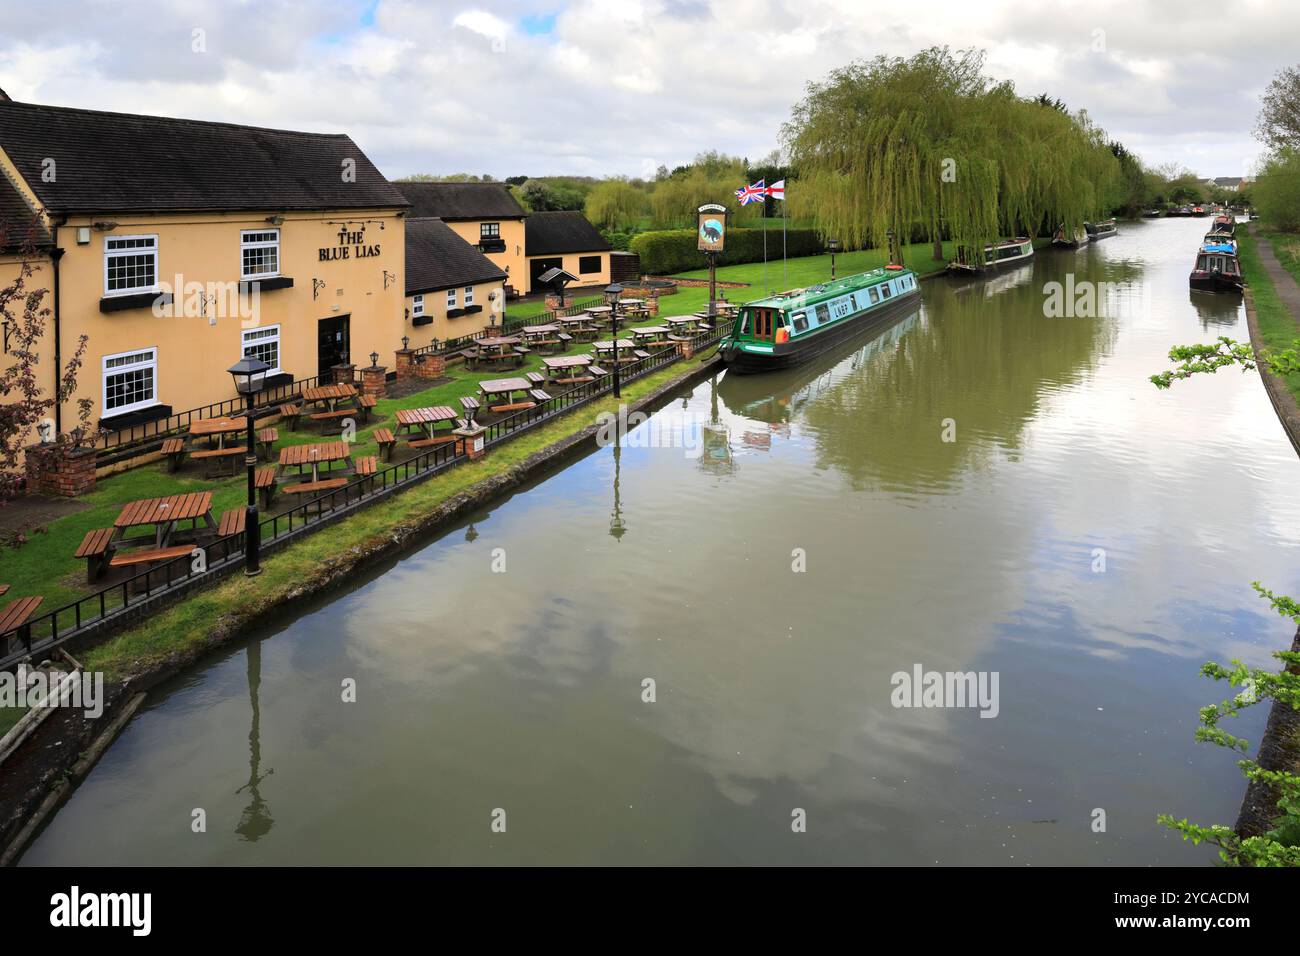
(802, 348)
(1100, 231)
(1214, 282)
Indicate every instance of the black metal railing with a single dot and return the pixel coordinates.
(108, 605)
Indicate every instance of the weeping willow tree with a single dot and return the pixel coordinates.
(929, 147)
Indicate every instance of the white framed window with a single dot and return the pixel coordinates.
(263, 343)
(417, 305)
(130, 264)
(259, 253)
(130, 381)
(469, 295)
(489, 230)
(451, 298)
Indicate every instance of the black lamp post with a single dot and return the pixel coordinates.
(249, 373)
(833, 246)
(612, 293)
(374, 360)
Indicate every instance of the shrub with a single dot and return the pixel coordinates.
(1277, 191)
(674, 250)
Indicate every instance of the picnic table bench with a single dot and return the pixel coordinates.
(366, 403)
(150, 557)
(313, 456)
(386, 441)
(506, 387)
(96, 547)
(232, 522)
(290, 411)
(16, 615)
(576, 365)
(266, 440)
(264, 482)
(173, 449)
(232, 453)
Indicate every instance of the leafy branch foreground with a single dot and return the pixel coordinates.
(1279, 846)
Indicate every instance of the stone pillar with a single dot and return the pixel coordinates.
(374, 381)
(652, 303)
(405, 362)
(555, 303)
(344, 374)
(685, 349)
(431, 366)
(472, 440)
(62, 470)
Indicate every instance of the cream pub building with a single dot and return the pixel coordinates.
(178, 246)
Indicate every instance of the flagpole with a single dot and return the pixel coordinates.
(785, 231)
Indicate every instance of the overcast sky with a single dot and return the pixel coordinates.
(596, 87)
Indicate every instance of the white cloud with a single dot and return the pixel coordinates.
(481, 87)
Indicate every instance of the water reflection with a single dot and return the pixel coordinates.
(255, 822)
(1217, 312)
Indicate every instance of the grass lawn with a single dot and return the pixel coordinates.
(1277, 328)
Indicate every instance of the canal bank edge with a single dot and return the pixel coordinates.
(53, 761)
(1279, 747)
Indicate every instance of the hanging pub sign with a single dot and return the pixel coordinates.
(351, 245)
(712, 227)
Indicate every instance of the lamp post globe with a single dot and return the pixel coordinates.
(249, 374)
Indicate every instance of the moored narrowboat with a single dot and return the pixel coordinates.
(1007, 253)
(1216, 271)
(1100, 230)
(1064, 239)
(1224, 226)
(792, 327)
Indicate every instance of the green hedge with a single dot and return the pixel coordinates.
(673, 250)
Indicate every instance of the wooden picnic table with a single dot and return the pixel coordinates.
(504, 386)
(540, 331)
(314, 455)
(556, 367)
(163, 514)
(603, 347)
(599, 310)
(650, 331)
(682, 321)
(424, 419)
(220, 427)
(329, 394)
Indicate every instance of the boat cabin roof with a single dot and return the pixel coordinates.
(802, 298)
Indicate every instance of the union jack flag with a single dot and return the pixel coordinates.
(754, 193)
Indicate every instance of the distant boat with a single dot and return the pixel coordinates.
(1062, 240)
(1100, 230)
(1216, 270)
(1181, 211)
(1153, 214)
(1224, 225)
(998, 256)
(1200, 211)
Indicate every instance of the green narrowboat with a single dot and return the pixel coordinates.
(791, 327)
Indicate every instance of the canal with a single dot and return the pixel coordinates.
(1086, 538)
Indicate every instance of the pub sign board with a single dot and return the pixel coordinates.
(351, 245)
(711, 229)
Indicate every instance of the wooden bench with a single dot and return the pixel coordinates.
(173, 450)
(233, 521)
(367, 404)
(641, 353)
(596, 370)
(96, 547)
(384, 438)
(215, 454)
(290, 412)
(430, 442)
(513, 407)
(539, 395)
(152, 555)
(367, 465)
(565, 338)
(326, 417)
(314, 487)
(15, 616)
(471, 406)
(535, 378)
(264, 482)
(266, 440)
(4, 589)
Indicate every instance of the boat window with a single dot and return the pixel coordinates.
(885, 292)
(823, 314)
(801, 322)
(875, 295)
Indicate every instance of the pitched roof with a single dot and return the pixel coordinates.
(553, 233)
(1228, 180)
(461, 201)
(437, 258)
(120, 162)
(19, 224)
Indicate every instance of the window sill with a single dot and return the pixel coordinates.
(265, 285)
(135, 300)
(455, 313)
(471, 309)
(141, 416)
